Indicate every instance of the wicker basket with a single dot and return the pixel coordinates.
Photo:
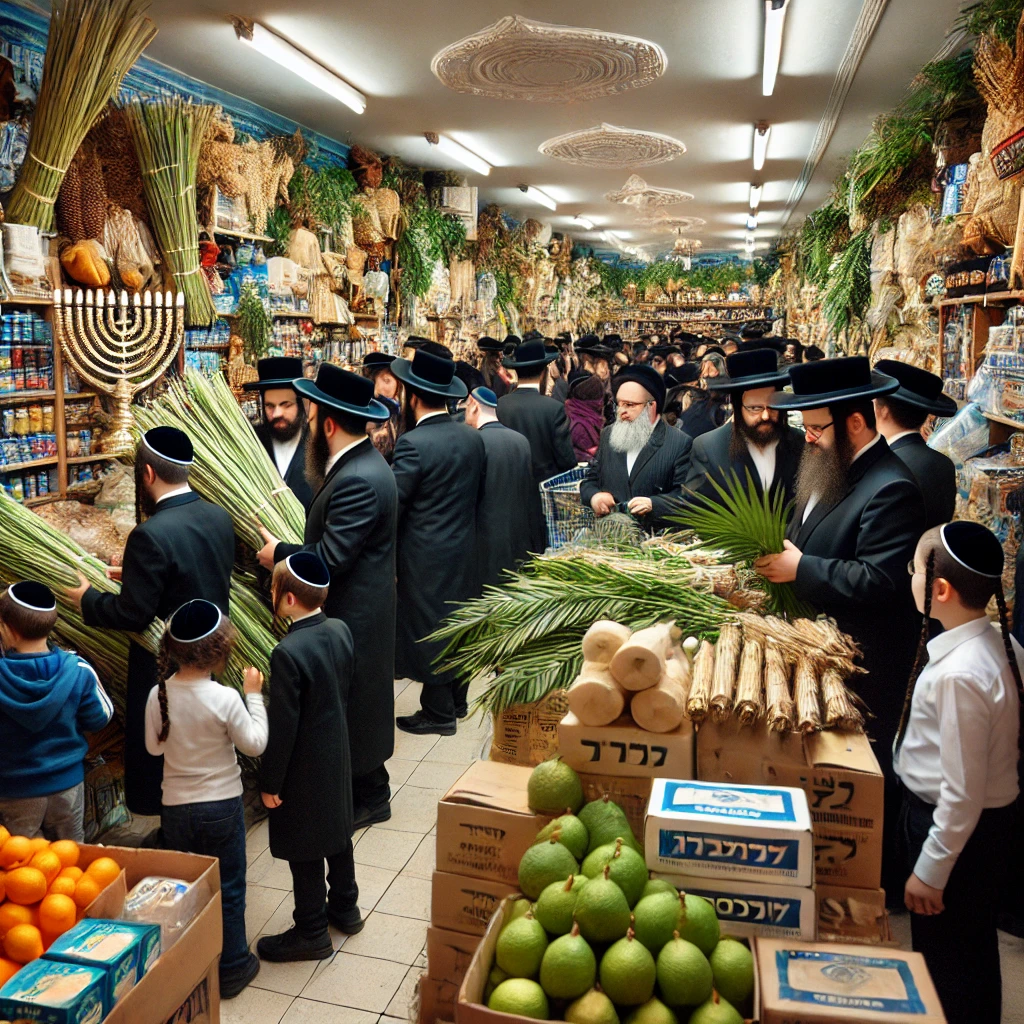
(388, 207)
(564, 513)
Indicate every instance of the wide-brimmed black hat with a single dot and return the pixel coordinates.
(647, 377)
(414, 341)
(664, 351)
(918, 387)
(431, 374)
(758, 368)
(612, 341)
(531, 355)
(377, 361)
(275, 372)
(831, 382)
(488, 344)
(774, 344)
(335, 388)
(533, 335)
(685, 375)
(592, 345)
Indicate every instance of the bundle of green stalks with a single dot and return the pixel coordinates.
(231, 469)
(90, 47)
(168, 135)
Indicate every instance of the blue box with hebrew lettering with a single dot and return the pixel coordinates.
(718, 830)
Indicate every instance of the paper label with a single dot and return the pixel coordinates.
(774, 855)
(749, 804)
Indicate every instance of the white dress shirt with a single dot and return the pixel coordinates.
(903, 433)
(184, 489)
(337, 455)
(631, 457)
(284, 451)
(764, 461)
(960, 749)
(813, 500)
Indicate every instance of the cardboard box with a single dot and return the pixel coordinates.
(718, 830)
(527, 734)
(437, 1001)
(449, 954)
(484, 824)
(819, 983)
(838, 772)
(462, 904)
(632, 795)
(56, 993)
(852, 915)
(746, 909)
(624, 749)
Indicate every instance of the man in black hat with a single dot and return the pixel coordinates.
(439, 469)
(695, 409)
(758, 441)
(490, 364)
(659, 356)
(387, 391)
(542, 421)
(859, 515)
(900, 417)
(351, 527)
(641, 461)
(283, 432)
(184, 550)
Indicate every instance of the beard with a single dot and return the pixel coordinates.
(631, 435)
(283, 430)
(144, 501)
(823, 471)
(762, 434)
(318, 451)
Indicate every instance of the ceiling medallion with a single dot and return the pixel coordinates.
(609, 146)
(636, 192)
(664, 222)
(519, 59)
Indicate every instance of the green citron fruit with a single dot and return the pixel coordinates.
(521, 947)
(605, 823)
(658, 885)
(556, 905)
(554, 788)
(543, 864)
(572, 834)
(593, 1007)
(732, 965)
(684, 974)
(628, 972)
(520, 996)
(698, 923)
(716, 1011)
(602, 911)
(628, 868)
(655, 919)
(518, 907)
(569, 966)
(654, 1011)
(494, 979)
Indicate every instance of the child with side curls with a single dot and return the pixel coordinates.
(196, 724)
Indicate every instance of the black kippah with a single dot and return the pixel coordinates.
(194, 620)
(308, 568)
(171, 444)
(974, 546)
(33, 595)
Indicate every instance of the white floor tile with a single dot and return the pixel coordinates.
(399, 771)
(373, 883)
(257, 867)
(260, 904)
(276, 874)
(413, 809)
(361, 982)
(422, 863)
(407, 897)
(386, 848)
(400, 685)
(465, 747)
(257, 840)
(254, 1006)
(409, 747)
(436, 774)
(408, 701)
(307, 1011)
(288, 979)
(389, 937)
(401, 1005)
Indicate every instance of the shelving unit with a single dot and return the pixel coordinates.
(662, 317)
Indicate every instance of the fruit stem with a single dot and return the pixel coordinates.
(575, 929)
(675, 935)
(630, 935)
(607, 871)
(714, 996)
(682, 908)
(568, 884)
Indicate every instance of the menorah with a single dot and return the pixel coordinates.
(119, 347)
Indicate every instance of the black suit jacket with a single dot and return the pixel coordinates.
(352, 526)
(295, 475)
(659, 472)
(935, 475)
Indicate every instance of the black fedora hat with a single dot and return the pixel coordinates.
(488, 344)
(377, 361)
(918, 387)
(682, 376)
(275, 372)
(758, 368)
(414, 341)
(432, 374)
(592, 345)
(533, 335)
(531, 355)
(662, 351)
(346, 392)
(832, 382)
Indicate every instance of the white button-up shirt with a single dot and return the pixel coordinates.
(764, 461)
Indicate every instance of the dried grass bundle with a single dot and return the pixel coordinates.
(703, 680)
(805, 690)
(781, 711)
(840, 710)
(749, 706)
(795, 638)
(727, 658)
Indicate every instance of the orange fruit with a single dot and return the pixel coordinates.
(12, 914)
(48, 862)
(15, 852)
(39, 843)
(62, 886)
(86, 891)
(67, 850)
(23, 943)
(57, 915)
(8, 969)
(4, 835)
(103, 870)
(25, 885)
(3, 886)
(73, 873)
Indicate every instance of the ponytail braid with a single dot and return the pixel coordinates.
(921, 658)
(1004, 628)
(163, 670)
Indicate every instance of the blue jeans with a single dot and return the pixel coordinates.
(216, 829)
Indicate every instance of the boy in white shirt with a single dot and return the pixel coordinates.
(956, 755)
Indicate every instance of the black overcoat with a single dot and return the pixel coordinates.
(439, 470)
(352, 525)
(295, 475)
(935, 475)
(185, 550)
(703, 414)
(306, 762)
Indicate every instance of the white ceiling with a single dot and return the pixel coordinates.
(709, 97)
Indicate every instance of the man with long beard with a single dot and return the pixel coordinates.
(859, 515)
(640, 461)
(351, 526)
(758, 441)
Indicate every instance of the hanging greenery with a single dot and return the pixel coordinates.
(254, 324)
(323, 198)
(823, 234)
(848, 293)
(717, 279)
(996, 18)
(429, 236)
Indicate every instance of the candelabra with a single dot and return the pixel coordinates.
(119, 347)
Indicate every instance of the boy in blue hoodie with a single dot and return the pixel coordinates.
(48, 700)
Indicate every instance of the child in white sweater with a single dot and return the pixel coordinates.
(196, 724)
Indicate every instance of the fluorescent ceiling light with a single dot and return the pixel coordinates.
(456, 151)
(751, 221)
(288, 56)
(538, 197)
(774, 21)
(755, 196)
(584, 222)
(748, 243)
(762, 133)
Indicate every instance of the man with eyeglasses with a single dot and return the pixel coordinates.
(758, 441)
(641, 462)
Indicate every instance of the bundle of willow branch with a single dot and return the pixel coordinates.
(822, 636)
(231, 469)
(780, 709)
(90, 47)
(168, 135)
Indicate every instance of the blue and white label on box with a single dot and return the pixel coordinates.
(749, 803)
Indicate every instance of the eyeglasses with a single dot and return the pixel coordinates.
(630, 406)
(813, 433)
(756, 410)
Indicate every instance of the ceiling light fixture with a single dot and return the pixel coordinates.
(751, 221)
(762, 133)
(749, 243)
(289, 56)
(456, 151)
(584, 222)
(774, 21)
(755, 196)
(538, 197)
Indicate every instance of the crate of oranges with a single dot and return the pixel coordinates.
(43, 893)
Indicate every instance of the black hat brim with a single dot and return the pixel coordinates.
(534, 364)
(941, 405)
(402, 369)
(374, 411)
(881, 384)
(269, 385)
(763, 380)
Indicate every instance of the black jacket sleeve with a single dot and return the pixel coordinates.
(591, 483)
(565, 456)
(283, 720)
(670, 501)
(700, 465)
(142, 582)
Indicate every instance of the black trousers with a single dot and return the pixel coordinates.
(960, 945)
(313, 894)
(372, 789)
(442, 701)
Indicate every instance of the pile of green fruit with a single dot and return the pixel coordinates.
(602, 941)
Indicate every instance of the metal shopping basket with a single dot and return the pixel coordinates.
(564, 515)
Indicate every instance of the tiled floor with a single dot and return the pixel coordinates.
(372, 976)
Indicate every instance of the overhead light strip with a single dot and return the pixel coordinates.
(762, 133)
(755, 196)
(584, 222)
(457, 151)
(774, 23)
(752, 222)
(535, 194)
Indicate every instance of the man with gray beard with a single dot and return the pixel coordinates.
(641, 461)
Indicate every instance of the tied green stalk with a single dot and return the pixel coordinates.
(90, 47)
(255, 324)
(231, 469)
(168, 135)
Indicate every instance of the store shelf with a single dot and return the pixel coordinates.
(78, 460)
(44, 499)
(208, 348)
(697, 305)
(25, 300)
(17, 397)
(984, 299)
(16, 467)
(246, 236)
(1004, 420)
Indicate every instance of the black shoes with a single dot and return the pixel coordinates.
(348, 921)
(232, 982)
(365, 816)
(421, 724)
(290, 946)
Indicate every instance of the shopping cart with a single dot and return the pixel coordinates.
(564, 515)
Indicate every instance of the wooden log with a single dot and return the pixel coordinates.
(640, 662)
(602, 640)
(727, 659)
(595, 698)
(661, 708)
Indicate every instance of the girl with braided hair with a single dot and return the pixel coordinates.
(956, 755)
